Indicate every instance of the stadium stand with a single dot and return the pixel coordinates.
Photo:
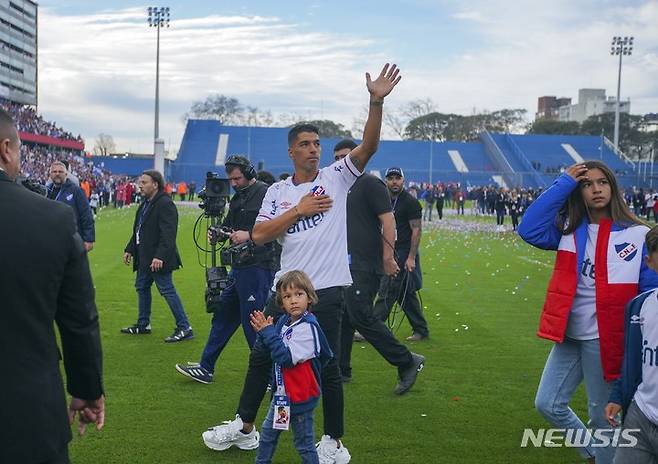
(44, 141)
(531, 161)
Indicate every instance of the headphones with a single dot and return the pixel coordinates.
(246, 168)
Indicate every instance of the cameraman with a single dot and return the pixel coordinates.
(250, 278)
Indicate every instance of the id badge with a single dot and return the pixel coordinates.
(281, 419)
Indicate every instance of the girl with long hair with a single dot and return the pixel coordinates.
(599, 267)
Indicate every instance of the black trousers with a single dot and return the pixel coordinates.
(515, 219)
(359, 314)
(500, 218)
(61, 458)
(439, 209)
(328, 312)
(394, 289)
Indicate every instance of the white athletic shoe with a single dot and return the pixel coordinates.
(229, 433)
(329, 453)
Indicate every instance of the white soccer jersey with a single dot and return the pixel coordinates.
(646, 395)
(316, 244)
(302, 339)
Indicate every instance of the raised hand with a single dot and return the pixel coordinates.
(578, 172)
(383, 85)
(258, 321)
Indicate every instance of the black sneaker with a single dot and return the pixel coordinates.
(137, 329)
(179, 335)
(196, 372)
(408, 374)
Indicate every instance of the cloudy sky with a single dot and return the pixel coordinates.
(97, 64)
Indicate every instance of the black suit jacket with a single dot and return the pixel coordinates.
(44, 278)
(157, 235)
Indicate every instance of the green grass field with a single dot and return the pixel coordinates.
(482, 297)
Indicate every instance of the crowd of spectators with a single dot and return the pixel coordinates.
(28, 120)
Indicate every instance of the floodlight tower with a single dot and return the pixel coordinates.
(158, 17)
(620, 46)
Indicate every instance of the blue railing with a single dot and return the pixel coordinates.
(498, 158)
(524, 160)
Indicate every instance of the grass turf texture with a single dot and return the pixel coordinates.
(482, 296)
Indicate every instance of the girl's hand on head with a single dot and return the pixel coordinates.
(577, 172)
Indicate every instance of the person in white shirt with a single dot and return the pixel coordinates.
(307, 214)
(636, 392)
(93, 202)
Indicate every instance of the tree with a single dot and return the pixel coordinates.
(397, 119)
(226, 110)
(104, 145)
(440, 126)
(551, 126)
(329, 128)
(506, 120)
(432, 126)
(255, 117)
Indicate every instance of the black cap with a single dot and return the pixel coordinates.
(394, 172)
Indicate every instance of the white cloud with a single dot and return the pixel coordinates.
(97, 71)
(475, 16)
(545, 48)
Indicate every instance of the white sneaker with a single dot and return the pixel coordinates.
(229, 433)
(329, 453)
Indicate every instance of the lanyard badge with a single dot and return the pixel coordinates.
(281, 403)
(140, 220)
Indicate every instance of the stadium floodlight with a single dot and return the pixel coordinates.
(158, 17)
(622, 46)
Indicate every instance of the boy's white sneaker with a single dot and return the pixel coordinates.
(229, 433)
(329, 453)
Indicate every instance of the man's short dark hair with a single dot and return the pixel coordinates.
(265, 176)
(651, 239)
(345, 143)
(157, 177)
(298, 129)
(7, 127)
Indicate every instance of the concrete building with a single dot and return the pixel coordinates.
(591, 102)
(18, 51)
(548, 106)
(649, 122)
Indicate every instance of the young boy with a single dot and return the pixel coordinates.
(299, 349)
(636, 391)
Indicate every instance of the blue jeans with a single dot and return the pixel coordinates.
(302, 429)
(567, 365)
(246, 292)
(165, 284)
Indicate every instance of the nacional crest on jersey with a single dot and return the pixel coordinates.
(626, 251)
(318, 190)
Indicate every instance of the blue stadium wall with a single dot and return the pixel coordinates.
(131, 166)
(207, 143)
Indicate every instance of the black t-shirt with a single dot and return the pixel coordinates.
(242, 212)
(405, 208)
(244, 207)
(366, 200)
